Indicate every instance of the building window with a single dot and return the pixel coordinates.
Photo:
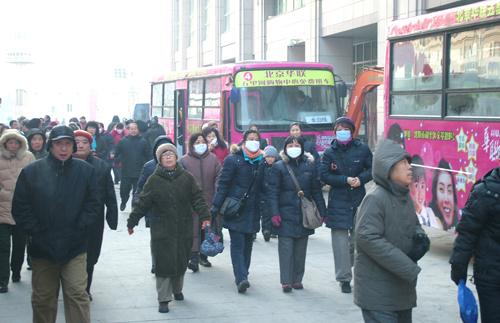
(205, 21)
(284, 6)
(69, 107)
(226, 15)
(190, 26)
(176, 25)
(120, 73)
(365, 54)
(20, 97)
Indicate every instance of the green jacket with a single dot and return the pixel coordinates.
(384, 276)
(172, 199)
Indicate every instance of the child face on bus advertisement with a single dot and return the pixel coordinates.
(445, 197)
(417, 193)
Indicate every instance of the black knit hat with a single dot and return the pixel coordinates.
(345, 121)
(61, 132)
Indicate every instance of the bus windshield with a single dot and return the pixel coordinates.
(275, 107)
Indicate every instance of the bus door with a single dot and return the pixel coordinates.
(180, 120)
(226, 116)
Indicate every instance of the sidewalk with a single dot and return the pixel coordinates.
(124, 289)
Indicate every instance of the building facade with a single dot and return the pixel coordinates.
(349, 34)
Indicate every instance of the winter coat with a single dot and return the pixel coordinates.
(154, 132)
(234, 181)
(384, 276)
(283, 198)
(55, 202)
(220, 153)
(147, 170)
(132, 152)
(172, 200)
(205, 169)
(116, 136)
(338, 163)
(40, 153)
(10, 167)
(310, 147)
(107, 197)
(104, 146)
(265, 210)
(479, 230)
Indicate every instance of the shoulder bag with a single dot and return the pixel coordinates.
(232, 207)
(311, 219)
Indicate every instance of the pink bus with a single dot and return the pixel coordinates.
(442, 100)
(270, 95)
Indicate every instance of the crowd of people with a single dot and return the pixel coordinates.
(58, 191)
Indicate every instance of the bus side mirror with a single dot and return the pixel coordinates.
(341, 89)
(235, 95)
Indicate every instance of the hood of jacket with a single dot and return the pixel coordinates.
(160, 140)
(492, 180)
(306, 156)
(36, 131)
(13, 134)
(387, 153)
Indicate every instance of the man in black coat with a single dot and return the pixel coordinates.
(55, 202)
(132, 151)
(106, 195)
(479, 236)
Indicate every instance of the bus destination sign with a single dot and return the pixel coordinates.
(289, 77)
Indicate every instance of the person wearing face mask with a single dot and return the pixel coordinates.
(242, 175)
(309, 146)
(346, 166)
(117, 133)
(284, 203)
(216, 144)
(205, 168)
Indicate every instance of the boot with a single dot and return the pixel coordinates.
(193, 262)
(204, 261)
(163, 307)
(267, 235)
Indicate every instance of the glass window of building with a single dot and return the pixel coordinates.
(226, 15)
(205, 21)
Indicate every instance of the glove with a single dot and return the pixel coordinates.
(276, 220)
(421, 244)
(458, 272)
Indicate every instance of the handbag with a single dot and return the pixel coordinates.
(311, 219)
(232, 207)
(212, 245)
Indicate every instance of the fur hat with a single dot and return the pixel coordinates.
(270, 151)
(164, 148)
(83, 133)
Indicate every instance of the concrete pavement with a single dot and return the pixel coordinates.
(124, 289)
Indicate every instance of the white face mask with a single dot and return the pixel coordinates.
(252, 145)
(214, 142)
(293, 152)
(200, 149)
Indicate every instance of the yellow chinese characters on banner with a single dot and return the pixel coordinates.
(289, 77)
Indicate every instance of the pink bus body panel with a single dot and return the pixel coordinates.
(470, 147)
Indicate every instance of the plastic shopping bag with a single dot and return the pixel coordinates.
(467, 303)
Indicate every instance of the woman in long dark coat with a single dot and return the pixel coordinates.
(172, 195)
(242, 173)
(284, 204)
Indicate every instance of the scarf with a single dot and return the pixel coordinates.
(250, 156)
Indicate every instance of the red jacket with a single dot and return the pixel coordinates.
(220, 153)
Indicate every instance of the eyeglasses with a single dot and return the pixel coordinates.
(168, 155)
